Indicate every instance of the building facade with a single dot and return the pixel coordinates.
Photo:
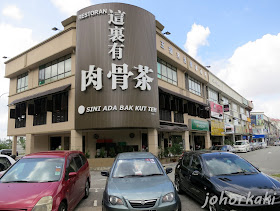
(230, 113)
(111, 82)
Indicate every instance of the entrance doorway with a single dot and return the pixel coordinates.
(144, 142)
(55, 142)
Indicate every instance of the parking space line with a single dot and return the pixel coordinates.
(95, 203)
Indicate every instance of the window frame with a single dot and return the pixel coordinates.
(51, 71)
(167, 72)
(23, 78)
(194, 86)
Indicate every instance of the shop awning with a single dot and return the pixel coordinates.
(41, 94)
(172, 128)
(182, 96)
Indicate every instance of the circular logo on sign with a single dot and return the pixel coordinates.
(81, 109)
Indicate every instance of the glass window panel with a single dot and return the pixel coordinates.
(68, 65)
(60, 76)
(158, 75)
(164, 71)
(18, 84)
(60, 66)
(159, 68)
(48, 72)
(54, 69)
(26, 81)
(164, 78)
(67, 74)
(174, 76)
(169, 73)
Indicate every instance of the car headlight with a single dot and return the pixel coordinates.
(168, 197)
(115, 200)
(235, 196)
(45, 203)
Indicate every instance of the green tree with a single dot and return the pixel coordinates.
(5, 144)
(21, 141)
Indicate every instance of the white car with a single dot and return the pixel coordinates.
(242, 146)
(5, 162)
(276, 143)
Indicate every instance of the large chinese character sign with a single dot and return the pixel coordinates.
(116, 81)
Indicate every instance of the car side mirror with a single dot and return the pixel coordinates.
(105, 173)
(72, 175)
(195, 173)
(168, 170)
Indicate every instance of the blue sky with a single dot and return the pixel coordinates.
(240, 39)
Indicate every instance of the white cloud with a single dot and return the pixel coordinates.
(254, 72)
(70, 7)
(12, 11)
(13, 40)
(195, 38)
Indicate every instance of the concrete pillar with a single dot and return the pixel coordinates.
(153, 141)
(14, 145)
(223, 140)
(29, 143)
(76, 142)
(186, 137)
(208, 142)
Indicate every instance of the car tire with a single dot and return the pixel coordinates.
(86, 189)
(178, 186)
(62, 207)
(215, 207)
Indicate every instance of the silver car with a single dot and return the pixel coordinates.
(137, 181)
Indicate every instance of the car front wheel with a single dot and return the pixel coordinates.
(62, 207)
(178, 186)
(86, 190)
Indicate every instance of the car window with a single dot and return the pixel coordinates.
(78, 162)
(35, 170)
(186, 160)
(136, 167)
(224, 148)
(220, 165)
(84, 160)
(4, 163)
(195, 164)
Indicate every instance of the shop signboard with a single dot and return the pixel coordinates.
(229, 129)
(216, 110)
(253, 120)
(116, 75)
(259, 119)
(238, 129)
(217, 128)
(226, 108)
(199, 125)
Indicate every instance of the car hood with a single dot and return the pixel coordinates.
(257, 184)
(140, 188)
(24, 195)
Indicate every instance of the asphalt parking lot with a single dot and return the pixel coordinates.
(267, 160)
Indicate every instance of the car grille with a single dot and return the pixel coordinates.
(143, 203)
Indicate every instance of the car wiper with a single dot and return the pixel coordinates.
(21, 181)
(133, 175)
(239, 172)
(148, 175)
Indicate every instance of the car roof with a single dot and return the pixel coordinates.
(133, 155)
(51, 154)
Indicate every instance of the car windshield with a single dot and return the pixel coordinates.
(240, 143)
(228, 165)
(136, 167)
(35, 170)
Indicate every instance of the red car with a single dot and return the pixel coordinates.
(54, 180)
